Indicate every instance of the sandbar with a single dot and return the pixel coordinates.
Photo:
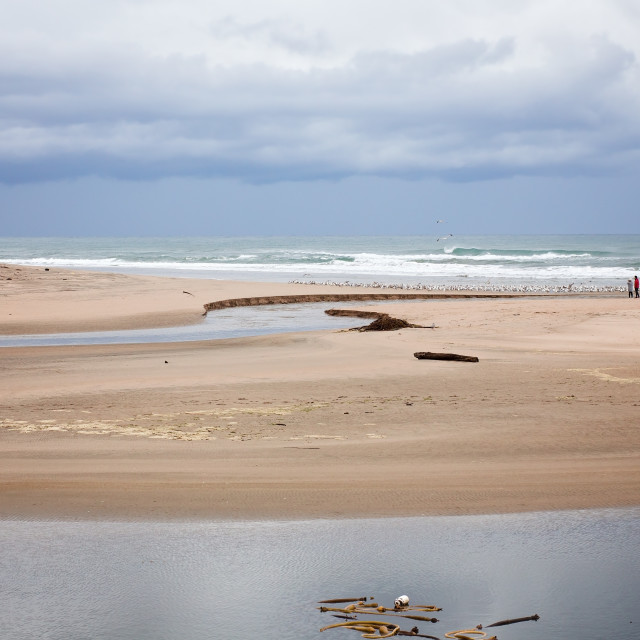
(324, 424)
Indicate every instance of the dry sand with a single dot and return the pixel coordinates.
(321, 424)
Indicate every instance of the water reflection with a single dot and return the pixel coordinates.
(580, 571)
(225, 323)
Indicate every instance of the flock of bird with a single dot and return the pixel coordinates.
(449, 235)
(485, 288)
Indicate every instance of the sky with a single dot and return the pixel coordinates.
(282, 117)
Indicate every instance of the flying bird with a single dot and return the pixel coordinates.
(450, 235)
(439, 221)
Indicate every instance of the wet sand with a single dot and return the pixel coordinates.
(320, 424)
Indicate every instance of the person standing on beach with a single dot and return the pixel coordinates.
(636, 284)
(630, 287)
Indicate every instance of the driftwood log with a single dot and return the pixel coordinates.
(514, 620)
(352, 313)
(429, 355)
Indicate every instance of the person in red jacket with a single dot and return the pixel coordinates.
(636, 286)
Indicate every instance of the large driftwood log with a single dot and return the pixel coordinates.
(429, 355)
(352, 313)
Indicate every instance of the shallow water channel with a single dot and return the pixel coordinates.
(235, 322)
(579, 570)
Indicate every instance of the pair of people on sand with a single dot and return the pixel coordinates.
(633, 285)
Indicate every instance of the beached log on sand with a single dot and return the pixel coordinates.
(429, 355)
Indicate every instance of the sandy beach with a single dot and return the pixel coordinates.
(319, 424)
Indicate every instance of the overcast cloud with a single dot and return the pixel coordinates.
(268, 91)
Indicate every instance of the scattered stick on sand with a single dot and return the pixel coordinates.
(429, 355)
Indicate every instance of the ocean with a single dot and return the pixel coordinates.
(518, 263)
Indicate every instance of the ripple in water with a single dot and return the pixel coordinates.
(579, 571)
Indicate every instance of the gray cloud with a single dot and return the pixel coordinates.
(468, 109)
(291, 37)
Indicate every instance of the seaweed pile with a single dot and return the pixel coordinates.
(382, 322)
(371, 628)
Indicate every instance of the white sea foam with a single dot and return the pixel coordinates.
(469, 261)
(374, 268)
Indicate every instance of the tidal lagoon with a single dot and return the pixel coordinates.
(578, 570)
